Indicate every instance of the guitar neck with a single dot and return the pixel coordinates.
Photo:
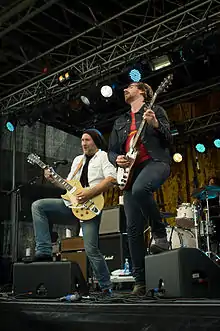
(56, 177)
(143, 123)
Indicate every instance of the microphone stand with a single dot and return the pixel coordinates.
(15, 193)
(15, 211)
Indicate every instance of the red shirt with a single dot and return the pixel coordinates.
(143, 154)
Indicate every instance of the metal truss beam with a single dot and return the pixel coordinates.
(202, 123)
(30, 14)
(195, 17)
(59, 48)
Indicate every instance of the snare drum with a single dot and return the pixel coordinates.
(185, 216)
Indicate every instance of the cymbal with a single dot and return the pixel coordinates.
(212, 188)
(209, 191)
(167, 214)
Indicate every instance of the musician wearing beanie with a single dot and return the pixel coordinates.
(96, 174)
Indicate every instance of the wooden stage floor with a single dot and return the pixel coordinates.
(119, 312)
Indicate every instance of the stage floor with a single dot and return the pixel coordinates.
(117, 313)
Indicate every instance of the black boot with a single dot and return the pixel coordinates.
(37, 258)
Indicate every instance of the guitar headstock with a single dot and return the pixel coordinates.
(35, 159)
(164, 84)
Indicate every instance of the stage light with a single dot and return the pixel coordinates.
(174, 132)
(217, 143)
(45, 70)
(160, 62)
(177, 157)
(85, 100)
(67, 75)
(64, 77)
(11, 123)
(200, 148)
(106, 91)
(135, 75)
(61, 79)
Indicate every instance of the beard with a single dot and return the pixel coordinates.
(128, 98)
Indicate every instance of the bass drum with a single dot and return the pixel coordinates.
(180, 238)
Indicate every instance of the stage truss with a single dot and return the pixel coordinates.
(108, 53)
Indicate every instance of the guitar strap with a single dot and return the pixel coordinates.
(78, 168)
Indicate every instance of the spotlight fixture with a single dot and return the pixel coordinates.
(85, 100)
(217, 143)
(177, 157)
(106, 91)
(200, 148)
(135, 75)
(64, 78)
(11, 123)
(160, 62)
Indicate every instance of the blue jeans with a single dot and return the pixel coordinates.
(140, 208)
(47, 211)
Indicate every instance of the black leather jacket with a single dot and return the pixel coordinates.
(156, 141)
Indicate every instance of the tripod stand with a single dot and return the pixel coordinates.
(209, 253)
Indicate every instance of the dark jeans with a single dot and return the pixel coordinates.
(140, 207)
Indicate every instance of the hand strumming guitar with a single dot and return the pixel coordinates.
(123, 161)
(84, 195)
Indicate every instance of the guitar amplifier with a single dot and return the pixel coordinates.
(78, 257)
(114, 248)
(113, 220)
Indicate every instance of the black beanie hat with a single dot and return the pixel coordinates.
(97, 137)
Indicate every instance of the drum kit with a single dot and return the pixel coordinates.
(196, 224)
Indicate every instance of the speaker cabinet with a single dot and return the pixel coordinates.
(114, 248)
(184, 272)
(48, 279)
(113, 220)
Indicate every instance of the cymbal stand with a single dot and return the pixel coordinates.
(195, 216)
(209, 253)
(207, 223)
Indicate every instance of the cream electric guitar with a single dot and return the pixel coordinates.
(124, 175)
(84, 211)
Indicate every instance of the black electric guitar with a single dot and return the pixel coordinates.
(124, 175)
(84, 211)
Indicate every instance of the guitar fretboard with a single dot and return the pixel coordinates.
(143, 123)
(56, 177)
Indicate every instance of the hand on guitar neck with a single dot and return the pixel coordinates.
(123, 161)
(150, 118)
(49, 176)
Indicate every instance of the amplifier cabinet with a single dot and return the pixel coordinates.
(113, 220)
(72, 244)
(114, 248)
(78, 257)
